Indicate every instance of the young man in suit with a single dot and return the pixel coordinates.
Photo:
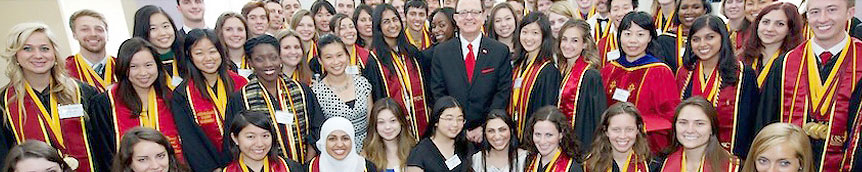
(473, 68)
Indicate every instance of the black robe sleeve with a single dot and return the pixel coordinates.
(235, 105)
(101, 157)
(100, 121)
(591, 104)
(748, 101)
(546, 89)
(855, 101)
(315, 116)
(369, 166)
(664, 48)
(7, 139)
(770, 97)
(201, 154)
(293, 166)
(375, 78)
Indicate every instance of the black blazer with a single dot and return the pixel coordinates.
(492, 78)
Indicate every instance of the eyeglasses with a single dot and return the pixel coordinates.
(470, 12)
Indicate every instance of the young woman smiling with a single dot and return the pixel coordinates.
(774, 36)
(232, 29)
(253, 147)
(535, 78)
(581, 98)
(338, 146)
(551, 142)
(387, 136)
(502, 24)
(444, 146)
(143, 149)
(695, 145)
(500, 152)
(621, 143)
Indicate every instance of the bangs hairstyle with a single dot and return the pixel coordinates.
(125, 90)
(62, 85)
(362, 8)
(512, 144)
(122, 162)
(297, 17)
(728, 68)
(568, 143)
(590, 52)
(251, 5)
(415, 4)
(335, 23)
(715, 155)
(634, 5)
(321, 5)
(546, 48)
(600, 155)
(195, 36)
(490, 30)
(33, 149)
(379, 45)
(257, 119)
(302, 71)
(642, 20)
(141, 29)
(707, 9)
(329, 39)
(374, 146)
(753, 45)
(462, 148)
(781, 134)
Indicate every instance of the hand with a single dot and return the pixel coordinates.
(475, 135)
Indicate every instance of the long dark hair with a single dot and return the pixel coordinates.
(546, 49)
(141, 29)
(600, 156)
(714, 154)
(449, 12)
(359, 10)
(125, 90)
(512, 153)
(33, 149)
(321, 5)
(123, 160)
(251, 118)
(568, 144)
(728, 68)
(489, 26)
(196, 75)
(642, 20)
(461, 143)
(753, 45)
(381, 49)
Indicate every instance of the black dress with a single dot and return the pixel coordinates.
(426, 156)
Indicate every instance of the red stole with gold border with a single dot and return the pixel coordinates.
(207, 114)
(278, 165)
(362, 55)
(571, 87)
(675, 162)
(560, 163)
(521, 91)
(407, 74)
(822, 110)
(79, 69)
(724, 99)
(638, 165)
(124, 120)
(67, 135)
(606, 44)
(421, 43)
(291, 99)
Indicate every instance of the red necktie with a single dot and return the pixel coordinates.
(824, 57)
(470, 62)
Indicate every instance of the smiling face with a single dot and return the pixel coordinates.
(547, 137)
(531, 37)
(162, 33)
(734, 9)
(291, 51)
(363, 24)
(321, 20)
(441, 28)
(635, 40)
(257, 21)
(557, 22)
(828, 19)
(388, 126)
(469, 17)
(416, 19)
(91, 33)
(143, 70)
(234, 33)
(498, 134)
(706, 44)
(572, 42)
(345, 7)
(305, 28)
(338, 144)
(693, 127)
(622, 132)
(276, 15)
(780, 158)
(504, 23)
(266, 62)
(205, 56)
(253, 142)
(773, 28)
(346, 31)
(192, 10)
(148, 156)
(390, 24)
(334, 58)
(619, 8)
(753, 7)
(37, 55)
(690, 10)
(450, 124)
(37, 165)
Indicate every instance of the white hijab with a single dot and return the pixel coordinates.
(327, 162)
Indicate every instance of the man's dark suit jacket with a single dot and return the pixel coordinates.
(492, 78)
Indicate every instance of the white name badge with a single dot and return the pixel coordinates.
(621, 95)
(244, 72)
(681, 52)
(352, 70)
(453, 162)
(71, 111)
(175, 81)
(517, 82)
(283, 117)
(613, 55)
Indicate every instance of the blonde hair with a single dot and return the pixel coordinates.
(61, 84)
(785, 134)
(590, 52)
(563, 8)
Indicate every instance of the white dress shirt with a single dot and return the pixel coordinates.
(475, 43)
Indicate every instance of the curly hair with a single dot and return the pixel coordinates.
(568, 143)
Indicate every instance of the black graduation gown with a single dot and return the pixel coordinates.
(665, 49)
(855, 109)
(546, 89)
(425, 155)
(200, 153)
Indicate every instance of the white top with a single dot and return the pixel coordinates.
(835, 49)
(475, 43)
(478, 163)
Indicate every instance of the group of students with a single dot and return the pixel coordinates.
(385, 86)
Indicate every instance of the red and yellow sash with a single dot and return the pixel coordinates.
(81, 70)
(680, 43)
(725, 100)
(407, 74)
(607, 44)
(675, 162)
(421, 43)
(30, 119)
(521, 93)
(314, 165)
(663, 23)
(209, 113)
(290, 137)
(589, 14)
(560, 163)
(361, 53)
(156, 115)
(571, 87)
(278, 165)
(633, 164)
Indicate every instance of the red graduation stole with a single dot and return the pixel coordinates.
(278, 165)
(30, 119)
(571, 87)
(360, 52)
(560, 163)
(79, 69)
(632, 79)
(675, 162)
(421, 43)
(158, 116)
(606, 44)
(580, 15)
(638, 165)
(521, 91)
(725, 99)
(804, 100)
(209, 113)
(407, 74)
(314, 165)
(290, 137)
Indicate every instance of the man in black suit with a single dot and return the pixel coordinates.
(474, 69)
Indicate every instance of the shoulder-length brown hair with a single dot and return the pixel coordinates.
(374, 147)
(785, 134)
(123, 159)
(569, 142)
(600, 156)
(33, 149)
(590, 52)
(715, 155)
(753, 46)
(304, 72)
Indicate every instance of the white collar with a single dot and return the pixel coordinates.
(476, 43)
(92, 64)
(834, 49)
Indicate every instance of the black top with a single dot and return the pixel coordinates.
(426, 156)
(201, 153)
